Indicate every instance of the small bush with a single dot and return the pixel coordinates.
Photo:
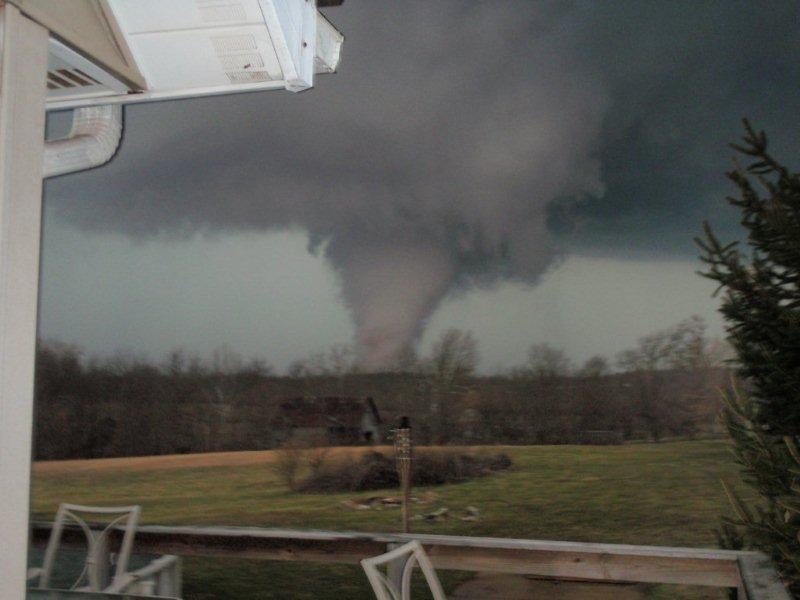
(316, 457)
(296, 456)
(500, 462)
(288, 460)
(375, 470)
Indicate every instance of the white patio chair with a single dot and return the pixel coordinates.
(411, 553)
(161, 578)
(93, 576)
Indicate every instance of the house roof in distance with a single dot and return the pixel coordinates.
(330, 411)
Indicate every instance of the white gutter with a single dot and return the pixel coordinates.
(92, 141)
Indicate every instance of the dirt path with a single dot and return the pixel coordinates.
(147, 463)
(171, 461)
(191, 461)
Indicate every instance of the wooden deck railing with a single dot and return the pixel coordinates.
(750, 573)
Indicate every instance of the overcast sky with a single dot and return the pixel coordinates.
(534, 172)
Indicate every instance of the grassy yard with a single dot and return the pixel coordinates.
(657, 494)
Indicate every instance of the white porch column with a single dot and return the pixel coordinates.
(22, 118)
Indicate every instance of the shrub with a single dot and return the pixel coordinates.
(316, 456)
(376, 470)
(288, 459)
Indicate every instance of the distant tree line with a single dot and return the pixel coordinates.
(667, 385)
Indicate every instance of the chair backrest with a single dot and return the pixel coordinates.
(406, 557)
(96, 541)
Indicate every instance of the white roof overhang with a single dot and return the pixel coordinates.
(114, 51)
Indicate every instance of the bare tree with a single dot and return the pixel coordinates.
(340, 360)
(719, 353)
(453, 359)
(297, 369)
(337, 361)
(407, 361)
(340, 363)
(688, 347)
(682, 347)
(546, 361)
(257, 367)
(176, 362)
(596, 366)
(454, 355)
(224, 361)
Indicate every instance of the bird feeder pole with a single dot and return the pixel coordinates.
(403, 458)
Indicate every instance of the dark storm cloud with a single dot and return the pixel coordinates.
(457, 139)
(681, 76)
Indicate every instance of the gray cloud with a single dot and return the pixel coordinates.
(681, 75)
(461, 145)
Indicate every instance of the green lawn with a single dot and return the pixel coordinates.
(657, 494)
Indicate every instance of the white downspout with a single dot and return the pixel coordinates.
(92, 141)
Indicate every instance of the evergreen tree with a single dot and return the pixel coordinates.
(761, 304)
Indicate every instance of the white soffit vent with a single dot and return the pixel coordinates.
(71, 77)
(186, 48)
